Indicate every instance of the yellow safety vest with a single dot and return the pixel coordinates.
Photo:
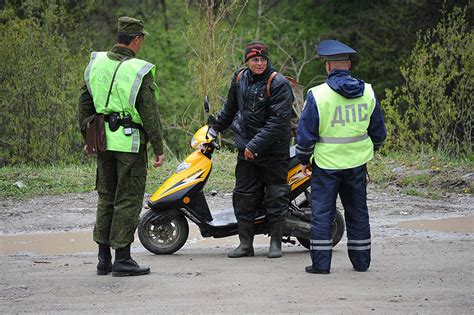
(343, 140)
(123, 95)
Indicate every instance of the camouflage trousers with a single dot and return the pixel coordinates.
(120, 183)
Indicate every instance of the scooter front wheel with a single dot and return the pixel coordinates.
(163, 233)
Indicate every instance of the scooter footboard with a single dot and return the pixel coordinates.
(296, 227)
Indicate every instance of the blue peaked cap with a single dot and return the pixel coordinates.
(332, 49)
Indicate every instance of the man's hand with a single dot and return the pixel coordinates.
(159, 159)
(211, 121)
(307, 170)
(249, 154)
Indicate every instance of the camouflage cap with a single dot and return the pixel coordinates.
(128, 25)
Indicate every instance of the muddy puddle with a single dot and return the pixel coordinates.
(66, 243)
(459, 224)
(47, 243)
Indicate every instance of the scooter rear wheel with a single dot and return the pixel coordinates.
(338, 229)
(163, 233)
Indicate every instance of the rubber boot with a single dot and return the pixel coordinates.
(311, 269)
(124, 265)
(245, 248)
(275, 241)
(105, 260)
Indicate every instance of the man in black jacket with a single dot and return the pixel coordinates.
(260, 117)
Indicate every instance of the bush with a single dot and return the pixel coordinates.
(434, 106)
(40, 84)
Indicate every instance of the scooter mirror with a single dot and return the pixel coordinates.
(207, 106)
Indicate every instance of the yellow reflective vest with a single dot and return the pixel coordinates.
(123, 94)
(343, 123)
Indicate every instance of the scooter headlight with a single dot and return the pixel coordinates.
(194, 143)
(197, 144)
(182, 167)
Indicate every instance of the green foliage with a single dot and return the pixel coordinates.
(166, 47)
(39, 83)
(29, 181)
(434, 106)
(196, 46)
(223, 171)
(290, 35)
(428, 172)
(209, 38)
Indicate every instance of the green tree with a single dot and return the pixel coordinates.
(39, 86)
(434, 105)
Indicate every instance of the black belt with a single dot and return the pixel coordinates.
(132, 124)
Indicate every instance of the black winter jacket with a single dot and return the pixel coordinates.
(259, 123)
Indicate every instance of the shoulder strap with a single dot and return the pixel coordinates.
(239, 75)
(292, 80)
(112, 83)
(269, 82)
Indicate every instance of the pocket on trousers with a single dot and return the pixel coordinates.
(138, 174)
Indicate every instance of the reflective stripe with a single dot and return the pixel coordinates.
(358, 241)
(321, 241)
(341, 140)
(300, 149)
(135, 140)
(137, 82)
(88, 72)
(320, 247)
(358, 247)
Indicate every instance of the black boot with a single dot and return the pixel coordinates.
(311, 269)
(275, 242)
(105, 260)
(124, 265)
(276, 203)
(245, 248)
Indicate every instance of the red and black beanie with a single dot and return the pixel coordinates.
(256, 49)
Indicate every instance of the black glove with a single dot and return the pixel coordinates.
(211, 121)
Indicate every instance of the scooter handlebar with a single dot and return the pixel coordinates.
(215, 145)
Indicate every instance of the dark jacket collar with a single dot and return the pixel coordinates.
(123, 51)
(344, 84)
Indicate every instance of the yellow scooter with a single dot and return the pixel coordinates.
(164, 228)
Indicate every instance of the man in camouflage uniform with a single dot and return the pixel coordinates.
(122, 87)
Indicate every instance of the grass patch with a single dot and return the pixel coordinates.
(31, 181)
(426, 173)
(223, 172)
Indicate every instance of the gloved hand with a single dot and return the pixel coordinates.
(211, 121)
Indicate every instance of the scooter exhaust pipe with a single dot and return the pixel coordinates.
(296, 227)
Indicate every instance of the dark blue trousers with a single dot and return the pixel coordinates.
(351, 185)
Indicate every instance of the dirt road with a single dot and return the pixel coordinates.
(423, 262)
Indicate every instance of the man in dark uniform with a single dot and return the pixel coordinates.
(122, 88)
(339, 128)
(260, 120)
